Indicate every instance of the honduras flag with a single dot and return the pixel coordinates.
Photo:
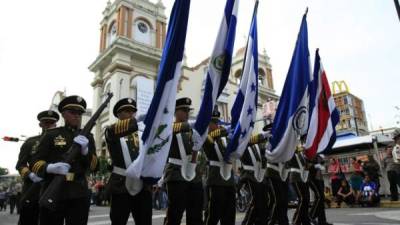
(324, 115)
(291, 120)
(157, 134)
(244, 109)
(218, 71)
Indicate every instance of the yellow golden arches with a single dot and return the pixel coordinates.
(339, 87)
(36, 167)
(24, 172)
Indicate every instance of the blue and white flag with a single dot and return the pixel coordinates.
(291, 120)
(157, 134)
(218, 71)
(244, 109)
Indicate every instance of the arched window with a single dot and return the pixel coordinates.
(238, 76)
(112, 33)
(261, 77)
(142, 31)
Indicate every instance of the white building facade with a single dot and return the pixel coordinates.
(132, 36)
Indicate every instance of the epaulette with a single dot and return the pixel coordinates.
(254, 139)
(179, 127)
(121, 126)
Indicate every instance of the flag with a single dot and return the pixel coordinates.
(244, 109)
(157, 134)
(218, 71)
(292, 114)
(324, 115)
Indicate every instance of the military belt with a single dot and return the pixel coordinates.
(247, 167)
(119, 171)
(177, 162)
(216, 163)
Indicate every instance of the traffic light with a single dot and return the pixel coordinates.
(5, 138)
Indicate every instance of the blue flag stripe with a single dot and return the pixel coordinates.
(176, 36)
(295, 83)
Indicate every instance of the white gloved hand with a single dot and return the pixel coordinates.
(34, 178)
(83, 142)
(58, 168)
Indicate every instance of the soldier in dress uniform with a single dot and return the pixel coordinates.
(298, 177)
(253, 173)
(220, 180)
(123, 146)
(277, 190)
(29, 211)
(184, 185)
(316, 183)
(73, 206)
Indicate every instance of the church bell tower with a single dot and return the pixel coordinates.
(132, 35)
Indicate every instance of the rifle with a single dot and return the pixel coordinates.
(50, 197)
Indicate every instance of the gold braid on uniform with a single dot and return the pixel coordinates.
(215, 134)
(93, 163)
(121, 126)
(177, 127)
(36, 167)
(24, 171)
(254, 139)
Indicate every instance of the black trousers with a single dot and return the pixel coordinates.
(140, 206)
(394, 181)
(318, 208)
(29, 213)
(257, 213)
(13, 203)
(221, 205)
(301, 216)
(73, 211)
(183, 196)
(278, 201)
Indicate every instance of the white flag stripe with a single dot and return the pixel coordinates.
(285, 150)
(167, 100)
(313, 127)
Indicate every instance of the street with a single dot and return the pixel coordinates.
(344, 216)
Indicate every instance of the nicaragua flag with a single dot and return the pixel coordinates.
(324, 115)
(291, 119)
(157, 134)
(244, 109)
(218, 71)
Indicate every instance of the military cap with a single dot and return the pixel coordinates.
(73, 102)
(268, 126)
(215, 115)
(48, 115)
(124, 103)
(396, 133)
(183, 103)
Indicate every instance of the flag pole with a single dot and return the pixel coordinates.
(396, 3)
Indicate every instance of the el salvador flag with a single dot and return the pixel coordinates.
(157, 134)
(244, 109)
(324, 116)
(218, 71)
(291, 120)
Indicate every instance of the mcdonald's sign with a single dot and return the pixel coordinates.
(339, 87)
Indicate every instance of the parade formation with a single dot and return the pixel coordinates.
(196, 160)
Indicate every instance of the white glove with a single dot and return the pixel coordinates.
(58, 168)
(34, 178)
(83, 142)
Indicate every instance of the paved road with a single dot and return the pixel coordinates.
(347, 216)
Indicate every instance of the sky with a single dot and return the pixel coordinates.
(47, 46)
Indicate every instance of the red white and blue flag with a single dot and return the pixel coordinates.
(324, 115)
